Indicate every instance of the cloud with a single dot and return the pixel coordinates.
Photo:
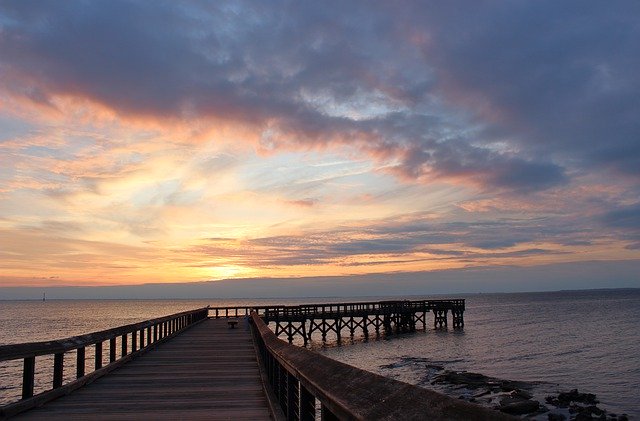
(510, 102)
(406, 239)
(623, 217)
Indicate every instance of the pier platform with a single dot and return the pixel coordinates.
(207, 372)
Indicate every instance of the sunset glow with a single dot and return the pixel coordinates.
(188, 141)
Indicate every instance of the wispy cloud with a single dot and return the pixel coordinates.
(327, 136)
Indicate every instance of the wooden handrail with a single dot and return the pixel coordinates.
(299, 376)
(33, 349)
(140, 337)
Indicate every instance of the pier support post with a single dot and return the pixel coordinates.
(440, 319)
(458, 319)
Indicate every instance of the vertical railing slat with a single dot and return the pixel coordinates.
(80, 362)
(58, 369)
(98, 356)
(28, 377)
(112, 349)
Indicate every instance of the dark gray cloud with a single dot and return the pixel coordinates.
(624, 221)
(398, 239)
(627, 217)
(506, 95)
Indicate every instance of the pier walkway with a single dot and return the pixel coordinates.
(194, 365)
(207, 372)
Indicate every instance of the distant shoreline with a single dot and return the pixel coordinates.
(320, 298)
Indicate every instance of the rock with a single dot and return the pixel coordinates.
(434, 367)
(518, 406)
(481, 393)
(518, 393)
(575, 396)
(594, 410)
(556, 417)
(471, 380)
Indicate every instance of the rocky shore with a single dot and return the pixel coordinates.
(512, 397)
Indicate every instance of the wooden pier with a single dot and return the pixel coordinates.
(208, 372)
(194, 365)
(366, 317)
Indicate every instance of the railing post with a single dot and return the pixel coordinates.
(134, 341)
(80, 361)
(58, 368)
(124, 344)
(282, 386)
(28, 374)
(112, 350)
(307, 405)
(98, 355)
(293, 391)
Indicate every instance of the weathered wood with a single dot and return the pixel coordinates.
(208, 371)
(28, 377)
(33, 349)
(80, 362)
(349, 393)
(58, 369)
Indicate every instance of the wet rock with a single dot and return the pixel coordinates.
(569, 399)
(472, 380)
(481, 393)
(518, 406)
(477, 380)
(585, 416)
(434, 367)
(508, 385)
(518, 393)
(575, 396)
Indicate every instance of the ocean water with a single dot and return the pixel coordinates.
(588, 340)
(558, 341)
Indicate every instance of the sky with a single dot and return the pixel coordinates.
(167, 142)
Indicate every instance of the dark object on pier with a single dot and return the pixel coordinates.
(232, 324)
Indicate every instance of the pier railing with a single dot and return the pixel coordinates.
(270, 313)
(124, 343)
(302, 381)
(328, 310)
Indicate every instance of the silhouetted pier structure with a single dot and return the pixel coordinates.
(338, 318)
(194, 367)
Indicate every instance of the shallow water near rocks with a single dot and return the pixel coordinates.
(554, 341)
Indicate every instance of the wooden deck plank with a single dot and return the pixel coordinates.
(207, 372)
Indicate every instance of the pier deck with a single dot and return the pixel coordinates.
(209, 371)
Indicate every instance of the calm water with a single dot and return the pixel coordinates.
(560, 340)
